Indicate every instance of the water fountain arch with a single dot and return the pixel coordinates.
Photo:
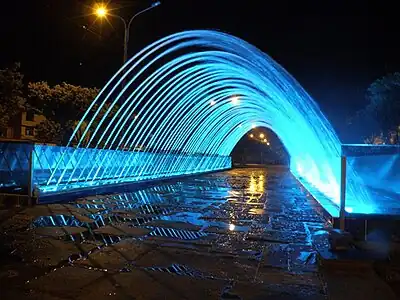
(179, 107)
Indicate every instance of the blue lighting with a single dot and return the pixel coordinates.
(184, 102)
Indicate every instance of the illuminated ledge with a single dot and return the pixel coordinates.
(390, 210)
(354, 150)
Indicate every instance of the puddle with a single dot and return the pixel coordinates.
(177, 234)
(177, 269)
(98, 221)
(307, 258)
(153, 209)
(58, 221)
(90, 236)
(183, 270)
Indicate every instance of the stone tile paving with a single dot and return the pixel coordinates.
(240, 234)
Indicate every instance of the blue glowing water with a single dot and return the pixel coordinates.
(197, 93)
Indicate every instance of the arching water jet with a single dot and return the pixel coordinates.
(174, 101)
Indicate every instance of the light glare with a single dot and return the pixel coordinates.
(101, 11)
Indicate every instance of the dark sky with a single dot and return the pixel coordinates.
(333, 48)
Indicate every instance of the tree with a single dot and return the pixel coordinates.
(384, 101)
(376, 139)
(391, 138)
(63, 105)
(383, 107)
(11, 94)
(49, 131)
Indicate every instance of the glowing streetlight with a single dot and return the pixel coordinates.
(101, 11)
(251, 135)
(264, 140)
(262, 135)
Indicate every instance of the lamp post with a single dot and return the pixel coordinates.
(398, 134)
(102, 12)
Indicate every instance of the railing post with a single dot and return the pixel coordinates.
(343, 171)
(30, 175)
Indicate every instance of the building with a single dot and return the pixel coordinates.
(22, 126)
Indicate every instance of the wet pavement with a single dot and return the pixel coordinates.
(239, 234)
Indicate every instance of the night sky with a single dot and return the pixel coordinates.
(334, 49)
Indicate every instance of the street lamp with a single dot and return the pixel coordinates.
(398, 134)
(101, 11)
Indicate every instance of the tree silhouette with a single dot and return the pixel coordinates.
(11, 94)
(63, 105)
(383, 107)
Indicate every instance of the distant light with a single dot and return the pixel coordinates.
(136, 117)
(264, 140)
(262, 135)
(251, 135)
(268, 143)
(235, 100)
(156, 4)
(231, 227)
(212, 102)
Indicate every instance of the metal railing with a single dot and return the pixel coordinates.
(27, 168)
(378, 166)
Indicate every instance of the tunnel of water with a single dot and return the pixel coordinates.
(181, 104)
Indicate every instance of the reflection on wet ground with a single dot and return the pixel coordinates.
(240, 234)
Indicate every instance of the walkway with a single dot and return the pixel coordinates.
(241, 234)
